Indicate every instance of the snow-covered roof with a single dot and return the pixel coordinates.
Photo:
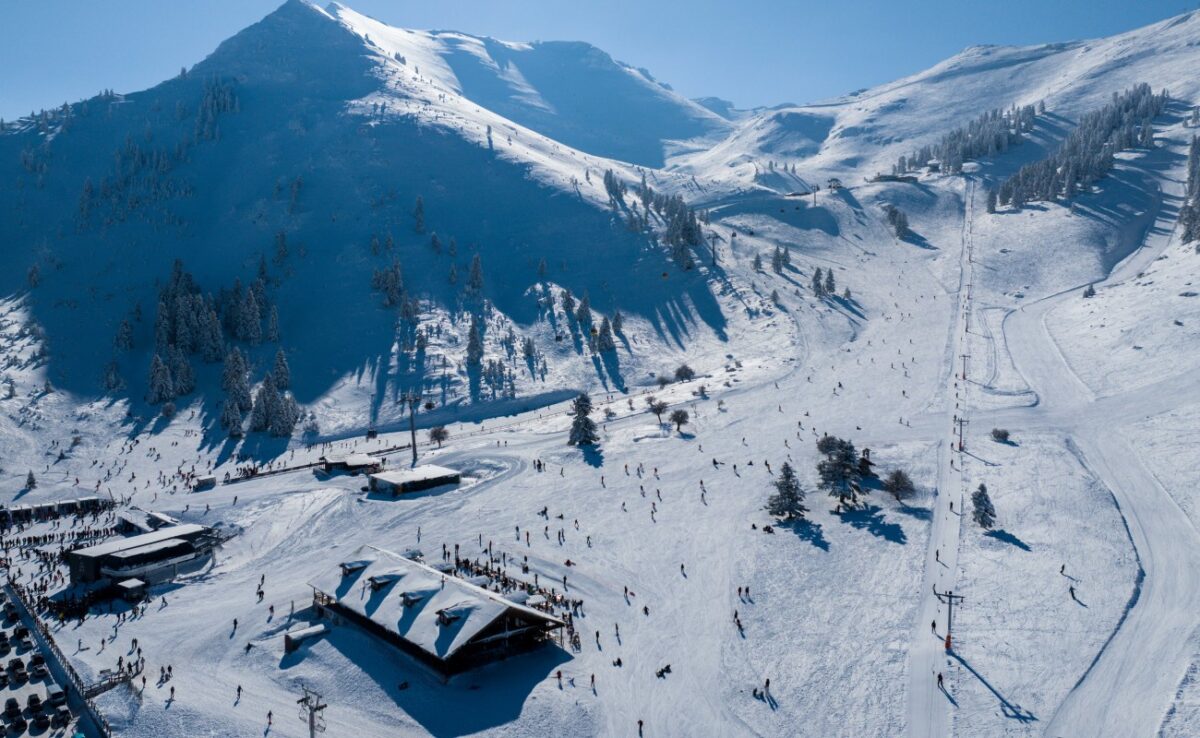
(352, 459)
(148, 548)
(126, 544)
(435, 612)
(424, 473)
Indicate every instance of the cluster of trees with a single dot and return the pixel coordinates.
(898, 220)
(681, 225)
(191, 323)
(1087, 153)
(140, 176)
(990, 134)
(781, 259)
(823, 283)
(1189, 213)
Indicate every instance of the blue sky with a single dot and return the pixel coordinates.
(754, 52)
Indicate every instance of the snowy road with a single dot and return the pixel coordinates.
(1126, 690)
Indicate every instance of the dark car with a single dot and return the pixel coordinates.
(62, 715)
(38, 671)
(41, 721)
(56, 695)
(34, 703)
(18, 725)
(12, 707)
(20, 631)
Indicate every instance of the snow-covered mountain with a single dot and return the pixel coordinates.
(1030, 361)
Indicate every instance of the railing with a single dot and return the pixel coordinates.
(47, 641)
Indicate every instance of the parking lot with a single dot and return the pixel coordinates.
(31, 703)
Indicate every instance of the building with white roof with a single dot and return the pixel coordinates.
(438, 618)
(399, 481)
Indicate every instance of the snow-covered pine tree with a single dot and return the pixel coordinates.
(618, 322)
(818, 283)
(287, 414)
(583, 429)
(984, 514)
(124, 337)
(604, 340)
(234, 382)
(475, 277)
(777, 260)
(281, 373)
(273, 325)
(266, 402)
(830, 285)
(231, 417)
(182, 377)
(30, 480)
(251, 326)
(584, 313)
(474, 344)
(756, 263)
(788, 501)
(161, 388)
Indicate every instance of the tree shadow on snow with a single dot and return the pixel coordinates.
(1009, 538)
(870, 518)
(593, 456)
(807, 530)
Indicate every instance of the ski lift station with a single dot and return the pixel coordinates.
(151, 557)
(441, 620)
(400, 481)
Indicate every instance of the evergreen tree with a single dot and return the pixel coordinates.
(112, 377)
(584, 313)
(475, 278)
(818, 284)
(604, 341)
(30, 480)
(161, 387)
(282, 374)
(788, 501)
(251, 327)
(777, 261)
(419, 215)
(583, 430)
(830, 285)
(234, 382)
(287, 414)
(231, 417)
(541, 268)
(991, 201)
(273, 325)
(984, 514)
(266, 401)
(618, 322)
(757, 263)
(839, 470)
(124, 338)
(474, 344)
(568, 303)
(182, 377)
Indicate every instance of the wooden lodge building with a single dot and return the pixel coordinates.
(441, 620)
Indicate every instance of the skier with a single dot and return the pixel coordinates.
(939, 681)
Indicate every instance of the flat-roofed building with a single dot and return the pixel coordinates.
(399, 481)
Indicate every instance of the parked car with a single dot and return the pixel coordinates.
(41, 721)
(38, 671)
(20, 631)
(12, 707)
(18, 725)
(62, 716)
(34, 703)
(56, 695)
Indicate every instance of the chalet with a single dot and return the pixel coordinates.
(151, 557)
(399, 481)
(440, 620)
(351, 463)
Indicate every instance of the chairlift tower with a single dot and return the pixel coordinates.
(312, 711)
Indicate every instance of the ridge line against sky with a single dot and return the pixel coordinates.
(753, 52)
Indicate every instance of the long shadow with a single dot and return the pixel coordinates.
(1010, 710)
(807, 530)
(920, 513)
(870, 518)
(1009, 538)
(496, 693)
(593, 456)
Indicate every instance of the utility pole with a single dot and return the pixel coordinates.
(960, 422)
(964, 357)
(714, 237)
(949, 598)
(312, 711)
(413, 400)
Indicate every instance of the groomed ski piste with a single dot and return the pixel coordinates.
(1078, 610)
